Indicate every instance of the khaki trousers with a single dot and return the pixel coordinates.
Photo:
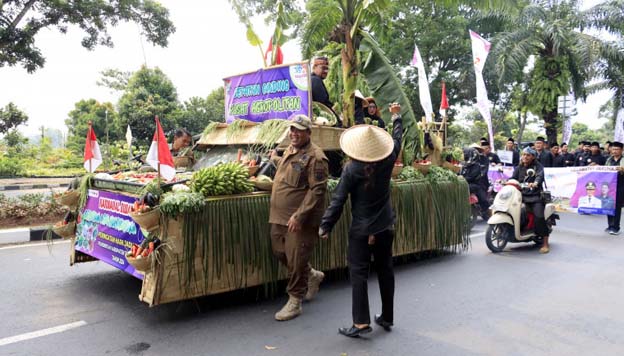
(293, 250)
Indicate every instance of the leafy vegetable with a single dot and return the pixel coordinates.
(181, 202)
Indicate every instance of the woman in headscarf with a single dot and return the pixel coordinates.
(366, 178)
(373, 114)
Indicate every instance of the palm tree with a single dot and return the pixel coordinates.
(554, 34)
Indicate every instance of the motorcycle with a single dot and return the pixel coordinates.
(511, 221)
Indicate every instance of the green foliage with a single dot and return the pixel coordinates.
(10, 115)
(196, 113)
(11, 167)
(149, 93)
(28, 206)
(21, 21)
(410, 173)
(174, 204)
(438, 174)
(550, 79)
(105, 121)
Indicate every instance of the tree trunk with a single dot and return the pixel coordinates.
(349, 78)
(522, 119)
(551, 124)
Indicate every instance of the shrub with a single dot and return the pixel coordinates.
(10, 167)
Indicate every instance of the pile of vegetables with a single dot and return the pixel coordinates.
(180, 202)
(145, 249)
(410, 173)
(223, 179)
(439, 174)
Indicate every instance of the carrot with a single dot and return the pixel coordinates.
(145, 253)
(240, 155)
(133, 250)
(139, 251)
(151, 247)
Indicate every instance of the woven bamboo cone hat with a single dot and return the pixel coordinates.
(366, 143)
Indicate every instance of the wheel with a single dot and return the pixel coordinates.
(494, 238)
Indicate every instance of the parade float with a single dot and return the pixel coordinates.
(205, 231)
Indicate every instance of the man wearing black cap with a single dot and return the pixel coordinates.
(590, 200)
(595, 158)
(510, 146)
(557, 157)
(568, 158)
(607, 150)
(581, 157)
(492, 157)
(617, 161)
(543, 156)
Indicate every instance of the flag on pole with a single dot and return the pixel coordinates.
(129, 139)
(444, 101)
(159, 154)
(480, 51)
(423, 85)
(92, 154)
(619, 125)
(279, 56)
(567, 129)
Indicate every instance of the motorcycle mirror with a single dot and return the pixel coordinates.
(531, 172)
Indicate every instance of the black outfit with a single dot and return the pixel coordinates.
(545, 158)
(567, 159)
(372, 214)
(581, 159)
(598, 159)
(493, 158)
(532, 197)
(319, 91)
(614, 221)
(379, 120)
(559, 160)
(472, 173)
(359, 112)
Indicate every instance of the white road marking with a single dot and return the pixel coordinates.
(33, 245)
(40, 333)
(480, 233)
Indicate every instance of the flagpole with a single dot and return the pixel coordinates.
(158, 151)
(89, 136)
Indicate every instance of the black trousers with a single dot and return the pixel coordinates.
(481, 193)
(359, 258)
(541, 229)
(614, 221)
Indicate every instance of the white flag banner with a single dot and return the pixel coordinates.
(129, 138)
(567, 130)
(423, 85)
(480, 51)
(619, 126)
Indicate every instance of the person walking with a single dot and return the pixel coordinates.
(297, 203)
(616, 161)
(366, 179)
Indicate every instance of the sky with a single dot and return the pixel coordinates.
(208, 45)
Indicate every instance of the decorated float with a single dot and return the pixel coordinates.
(205, 230)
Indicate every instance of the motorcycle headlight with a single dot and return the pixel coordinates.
(504, 195)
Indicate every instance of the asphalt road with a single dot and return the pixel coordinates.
(569, 302)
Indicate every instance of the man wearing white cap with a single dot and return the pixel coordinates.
(366, 178)
(297, 202)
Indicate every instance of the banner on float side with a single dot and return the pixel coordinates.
(106, 231)
(571, 187)
(278, 92)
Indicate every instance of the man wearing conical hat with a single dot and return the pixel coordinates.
(297, 203)
(366, 180)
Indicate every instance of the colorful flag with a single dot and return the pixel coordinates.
(92, 154)
(444, 101)
(159, 154)
(423, 85)
(279, 56)
(619, 125)
(480, 51)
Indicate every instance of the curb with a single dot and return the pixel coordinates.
(25, 234)
(32, 186)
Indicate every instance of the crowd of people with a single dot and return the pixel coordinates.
(539, 155)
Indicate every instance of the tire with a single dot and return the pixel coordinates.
(494, 238)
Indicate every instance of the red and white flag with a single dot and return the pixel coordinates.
(444, 101)
(279, 56)
(92, 154)
(159, 154)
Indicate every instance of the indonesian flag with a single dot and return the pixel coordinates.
(444, 101)
(480, 51)
(92, 154)
(159, 154)
(423, 85)
(279, 56)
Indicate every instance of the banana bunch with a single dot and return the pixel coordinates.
(223, 179)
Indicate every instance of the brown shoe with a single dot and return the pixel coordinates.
(291, 310)
(544, 249)
(314, 283)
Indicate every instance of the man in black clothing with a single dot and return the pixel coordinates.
(580, 160)
(473, 172)
(557, 157)
(616, 161)
(595, 158)
(492, 157)
(320, 67)
(543, 156)
(568, 158)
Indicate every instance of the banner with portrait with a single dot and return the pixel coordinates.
(586, 190)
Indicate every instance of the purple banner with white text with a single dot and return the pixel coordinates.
(106, 231)
(269, 93)
(586, 190)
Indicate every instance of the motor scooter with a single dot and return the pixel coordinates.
(511, 221)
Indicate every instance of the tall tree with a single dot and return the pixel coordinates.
(554, 34)
(11, 117)
(21, 21)
(149, 93)
(103, 118)
(196, 113)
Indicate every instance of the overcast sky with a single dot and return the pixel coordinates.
(209, 44)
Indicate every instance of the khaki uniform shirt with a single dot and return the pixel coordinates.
(299, 186)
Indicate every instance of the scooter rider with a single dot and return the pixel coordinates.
(531, 196)
(474, 169)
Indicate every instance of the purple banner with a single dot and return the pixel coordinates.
(106, 231)
(269, 93)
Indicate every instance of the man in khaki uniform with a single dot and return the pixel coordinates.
(297, 205)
